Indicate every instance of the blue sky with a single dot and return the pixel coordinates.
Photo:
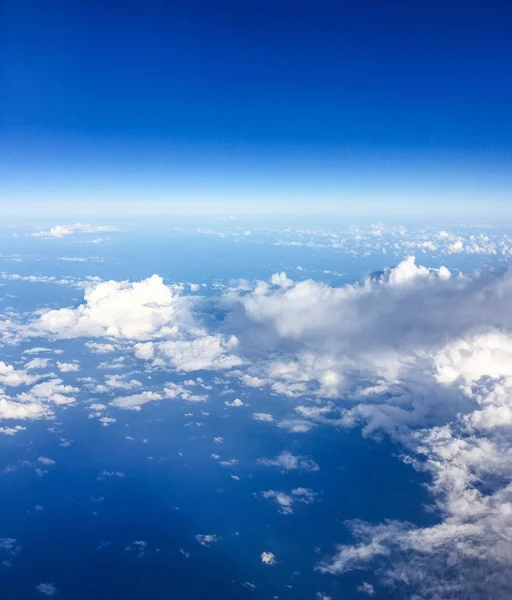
(358, 107)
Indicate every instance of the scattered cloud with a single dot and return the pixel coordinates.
(206, 539)
(60, 231)
(289, 462)
(267, 558)
(47, 589)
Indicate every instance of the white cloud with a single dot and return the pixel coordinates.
(68, 367)
(203, 353)
(286, 501)
(135, 401)
(99, 348)
(206, 539)
(296, 425)
(47, 589)
(268, 558)
(236, 403)
(12, 409)
(109, 474)
(38, 363)
(366, 588)
(288, 461)
(52, 390)
(12, 430)
(139, 311)
(426, 358)
(15, 377)
(119, 382)
(262, 417)
(60, 231)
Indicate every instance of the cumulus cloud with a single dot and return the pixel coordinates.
(135, 401)
(206, 539)
(11, 430)
(262, 417)
(288, 461)
(47, 589)
(10, 409)
(156, 316)
(60, 231)
(285, 502)
(422, 356)
(208, 352)
(416, 353)
(68, 367)
(53, 390)
(119, 309)
(15, 377)
(426, 358)
(268, 558)
(236, 403)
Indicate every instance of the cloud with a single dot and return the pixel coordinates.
(426, 358)
(52, 390)
(15, 377)
(236, 403)
(60, 231)
(47, 589)
(286, 501)
(288, 461)
(267, 558)
(135, 401)
(108, 474)
(12, 409)
(12, 430)
(208, 352)
(262, 417)
(68, 367)
(136, 311)
(296, 425)
(206, 539)
(99, 348)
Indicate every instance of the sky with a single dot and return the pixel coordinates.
(356, 108)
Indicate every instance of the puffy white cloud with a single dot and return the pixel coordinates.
(203, 353)
(422, 356)
(15, 377)
(174, 390)
(366, 588)
(12, 409)
(296, 425)
(52, 390)
(288, 461)
(268, 558)
(236, 403)
(99, 348)
(47, 589)
(38, 363)
(108, 474)
(120, 309)
(119, 382)
(135, 401)
(286, 501)
(60, 231)
(262, 417)
(206, 539)
(11, 430)
(68, 367)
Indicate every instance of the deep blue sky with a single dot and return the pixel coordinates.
(389, 102)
